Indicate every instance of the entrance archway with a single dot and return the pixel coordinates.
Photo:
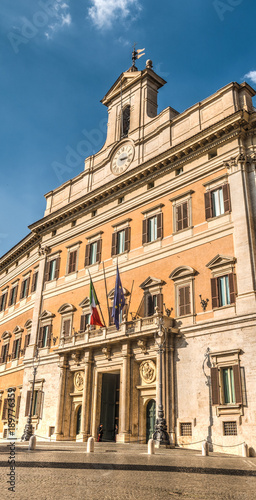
(150, 418)
(78, 420)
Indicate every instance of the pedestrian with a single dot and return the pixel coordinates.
(100, 433)
(116, 431)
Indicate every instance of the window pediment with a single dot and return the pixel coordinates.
(112, 293)
(28, 324)
(85, 303)
(66, 308)
(182, 272)
(17, 330)
(220, 260)
(47, 315)
(6, 335)
(151, 282)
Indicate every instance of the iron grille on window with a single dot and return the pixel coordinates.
(230, 429)
(186, 429)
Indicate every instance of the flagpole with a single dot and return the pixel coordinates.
(106, 290)
(104, 323)
(130, 301)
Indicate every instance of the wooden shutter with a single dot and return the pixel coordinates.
(5, 409)
(87, 255)
(10, 297)
(127, 236)
(83, 323)
(28, 283)
(111, 319)
(178, 217)
(34, 280)
(14, 348)
(226, 198)
(28, 399)
(40, 337)
(141, 309)
(39, 401)
(57, 268)
(49, 335)
(237, 384)
(215, 293)
(98, 252)
(232, 288)
(149, 305)
(181, 301)
(144, 231)
(187, 300)
(114, 244)
(160, 302)
(47, 271)
(72, 262)
(15, 294)
(66, 327)
(6, 353)
(208, 204)
(185, 215)
(17, 412)
(215, 386)
(27, 338)
(2, 354)
(160, 225)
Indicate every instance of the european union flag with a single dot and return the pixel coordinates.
(119, 300)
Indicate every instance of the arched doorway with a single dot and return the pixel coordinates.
(78, 419)
(150, 418)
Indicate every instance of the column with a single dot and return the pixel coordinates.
(86, 401)
(61, 398)
(125, 397)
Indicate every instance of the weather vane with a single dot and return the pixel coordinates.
(136, 54)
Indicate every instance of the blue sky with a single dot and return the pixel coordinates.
(58, 59)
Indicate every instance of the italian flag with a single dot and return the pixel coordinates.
(95, 319)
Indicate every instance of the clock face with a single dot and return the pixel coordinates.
(122, 159)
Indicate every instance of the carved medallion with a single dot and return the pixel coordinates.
(79, 381)
(148, 371)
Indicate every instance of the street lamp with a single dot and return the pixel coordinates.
(161, 435)
(28, 431)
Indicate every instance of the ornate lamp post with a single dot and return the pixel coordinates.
(28, 431)
(161, 435)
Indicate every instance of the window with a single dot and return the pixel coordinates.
(4, 353)
(93, 252)
(223, 290)
(37, 403)
(125, 121)
(5, 409)
(186, 429)
(13, 295)
(44, 339)
(151, 302)
(34, 282)
(228, 385)
(226, 381)
(72, 261)
(184, 300)
(217, 202)
(152, 298)
(152, 228)
(121, 241)
(24, 288)
(16, 348)
(85, 320)
(27, 340)
(182, 211)
(3, 300)
(66, 327)
(182, 216)
(52, 269)
(230, 428)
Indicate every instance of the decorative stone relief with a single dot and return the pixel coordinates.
(79, 381)
(148, 371)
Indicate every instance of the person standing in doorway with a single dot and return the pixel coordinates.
(100, 433)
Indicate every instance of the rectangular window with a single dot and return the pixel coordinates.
(120, 241)
(44, 339)
(13, 295)
(72, 261)
(186, 429)
(66, 327)
(45, 335)
(36, 403)
(224, 293)
(16, 348)
(228, 385)
(217, 202)
(151, 302)
(184, 300)
(27, 340)
(182, 216)
(230, 428)
(223, 290)
(4, 353)
(152, 228)
(3, 301)
(85, 320)
(93, 253)
(34, 282)
(52, 269)
(24, 288)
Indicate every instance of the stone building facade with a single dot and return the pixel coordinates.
(171, 197)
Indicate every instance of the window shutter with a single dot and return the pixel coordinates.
(38, 409)
(15, 294)
(28, 283)
(149, 305)
(98, 253)
(47, 271)
(27, 407)
(2, 354)
(127, 237)
(232, 288)
(160, 225)
(40, 338)
(17, 407)
(34, 279)
(57, 268)
(6, 353)
(114, 244)
(144, 231)
(215, 386)
(237, 384)
(66, 327)
(160, 302)
(72, 262)
(215, 294)
(87, 255)
(141, 309)
(10, 297)
(178, 218)
(14, 348)
(22, 289)
(226, 197)
(181, 301)
(5, 410)
(187, 300)
(49, 335)
(83, 323)
(185, 215)
(208, 204)
(111, 319)
(27, 338)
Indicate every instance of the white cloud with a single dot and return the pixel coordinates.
(104, 12)
(61, 18)
(251, 76)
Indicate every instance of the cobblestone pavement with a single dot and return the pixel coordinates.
(124, 472)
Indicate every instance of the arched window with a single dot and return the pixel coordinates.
(125, 121)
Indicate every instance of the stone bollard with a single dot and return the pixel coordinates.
(151, 447)
(205, 449)
(32, 443)
(245, 450)
(90, 445)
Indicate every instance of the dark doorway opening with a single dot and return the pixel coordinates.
(78, 420)
(109, 415)
(151, 418)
